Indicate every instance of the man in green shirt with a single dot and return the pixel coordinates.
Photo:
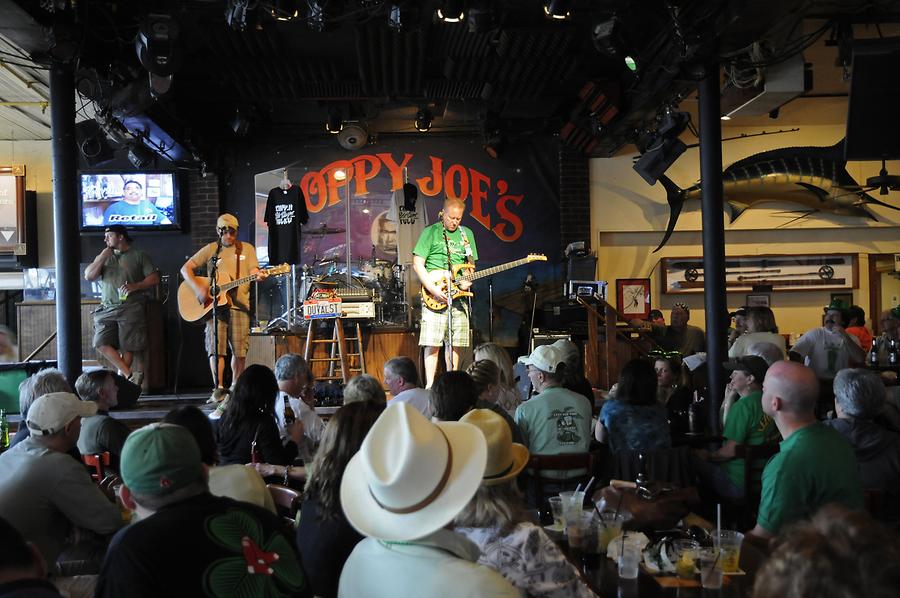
(746, 424)
(430, 259)
(816, 465)
(126, 276)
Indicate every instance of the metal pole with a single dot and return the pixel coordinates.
(713, 238)
(347, 226)
(65, 220)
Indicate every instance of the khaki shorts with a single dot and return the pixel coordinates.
(433, 332)
(122, 326)
(234, 330)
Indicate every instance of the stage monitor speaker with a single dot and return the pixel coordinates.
(873, 131)
(582, 267)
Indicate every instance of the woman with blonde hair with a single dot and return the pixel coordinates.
(486, 376)
(507, 396)
(495, 520)
(761, 328)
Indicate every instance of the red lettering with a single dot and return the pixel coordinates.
(432, 185)
(460, 171)
(508, 218)
(480, 185)
(364, 175)
(313, 183)
(395, 169)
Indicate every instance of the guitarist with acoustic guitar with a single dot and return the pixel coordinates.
(236, 259)
(441, 246)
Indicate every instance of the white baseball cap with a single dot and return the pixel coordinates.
(51, 412)
(545, 358)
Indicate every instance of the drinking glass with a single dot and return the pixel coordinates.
(710, 564)
(610, 527)
(686, 551)
(556, 507)
(729, 542)
(629, 560)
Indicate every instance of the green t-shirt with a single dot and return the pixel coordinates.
(433, 248)
(816, 466)
(747, 424)
(131, 265)
(555, 422)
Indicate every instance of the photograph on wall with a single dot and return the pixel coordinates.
(633, 297)
(775, 272)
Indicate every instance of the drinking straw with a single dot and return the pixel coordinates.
(619, 504)
(578, 489)
(589, 484)
(718, 523)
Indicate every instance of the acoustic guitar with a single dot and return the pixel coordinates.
(440, 278)
(192, 310)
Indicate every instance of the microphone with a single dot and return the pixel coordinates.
(529, 284)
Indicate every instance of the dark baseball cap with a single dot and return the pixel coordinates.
(119, 230)
(751, 364)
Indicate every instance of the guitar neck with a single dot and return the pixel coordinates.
(224, 288)
(494, 270)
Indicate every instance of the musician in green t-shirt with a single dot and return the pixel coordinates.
(443, 244)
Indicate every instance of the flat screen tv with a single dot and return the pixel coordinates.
(136, 200)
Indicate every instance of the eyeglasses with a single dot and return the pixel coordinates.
(227, 230)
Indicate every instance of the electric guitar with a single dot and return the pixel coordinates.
(192, 310)
(440, 278)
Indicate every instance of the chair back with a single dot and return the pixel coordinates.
(97, 464)
(671, 465)
(755, 457)
(539, 467)
(287, 502)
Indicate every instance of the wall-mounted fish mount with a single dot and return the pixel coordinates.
(815, 177)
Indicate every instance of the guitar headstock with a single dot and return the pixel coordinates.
(536, 257)
(282, 269)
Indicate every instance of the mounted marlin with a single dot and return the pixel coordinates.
(815, 177)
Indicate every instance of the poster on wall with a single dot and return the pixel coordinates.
(775, 272)
(511, 206)
(12, 197)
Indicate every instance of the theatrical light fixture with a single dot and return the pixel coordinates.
(285, 10)
(139, 155)
(316, 19)
(335, 122)
(558, 9)
(451, 11)
(158, 51)
(236, 14)
(480, 17)
(403, 16)
(423, 120)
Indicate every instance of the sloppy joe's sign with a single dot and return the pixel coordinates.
(493, 201)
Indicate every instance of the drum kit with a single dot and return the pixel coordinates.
(371, 279)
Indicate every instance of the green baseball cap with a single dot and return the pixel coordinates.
(160, 458)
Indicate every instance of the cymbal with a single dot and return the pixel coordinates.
(323, 230)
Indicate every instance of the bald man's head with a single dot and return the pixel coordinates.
(794, 384)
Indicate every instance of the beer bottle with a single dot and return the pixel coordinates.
(289, 415)
(873, 354)
(4, 431)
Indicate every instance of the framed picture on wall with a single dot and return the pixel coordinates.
(633, 297)
(759, 300)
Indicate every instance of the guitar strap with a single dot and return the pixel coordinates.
(238, 246)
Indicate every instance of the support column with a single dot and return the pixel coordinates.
(66, 247)
(713, 238)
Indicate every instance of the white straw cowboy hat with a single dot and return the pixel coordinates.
(411, 477)
(505, 458)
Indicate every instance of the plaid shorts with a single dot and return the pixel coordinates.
(433, 332)
(234, 329)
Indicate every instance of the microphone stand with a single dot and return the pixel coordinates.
(214, 294)
(448, 350)
(491, 308)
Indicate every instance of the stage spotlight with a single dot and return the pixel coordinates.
(139, 155)
(335, 122)
(423, 120)
(285, 10)
(451, 11)
(158, 51)
(403, 17)
(317, 15)
(236, 14)
(558, 9)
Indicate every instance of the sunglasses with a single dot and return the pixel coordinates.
(227, 229)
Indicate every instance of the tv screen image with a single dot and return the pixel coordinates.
(132, 199)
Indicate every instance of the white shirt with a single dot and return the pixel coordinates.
(410, 224)
(313, 426)
(437, 566)
(745, 341)
(416, 397)
(826, 351)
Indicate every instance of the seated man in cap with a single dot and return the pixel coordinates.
(678, 335)
(188, 542)
(45, 492)
(234, 259)
(555, 420)
(829, 349)
(126, 276)
(746, 424)
(101, 433)
(402, 489)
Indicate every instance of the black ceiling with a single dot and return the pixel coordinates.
(525, 72)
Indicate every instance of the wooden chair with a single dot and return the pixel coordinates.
(287, 502)
(671, 465)
(539, 464)
(755, 459)
(98, 462)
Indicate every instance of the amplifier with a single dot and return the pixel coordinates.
(358, 310)
(353, 293)
(547, 338)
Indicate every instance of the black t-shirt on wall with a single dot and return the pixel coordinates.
(285, 212)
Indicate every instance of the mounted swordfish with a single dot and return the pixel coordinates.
(815, 177)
